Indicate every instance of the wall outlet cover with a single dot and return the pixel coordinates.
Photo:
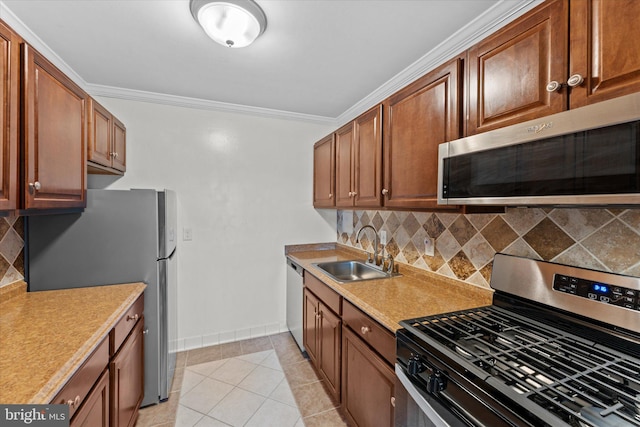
(429, 246)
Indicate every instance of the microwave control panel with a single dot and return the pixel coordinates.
(598, 291)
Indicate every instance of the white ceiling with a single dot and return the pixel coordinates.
(318, 59)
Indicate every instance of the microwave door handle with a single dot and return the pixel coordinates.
(424, 406)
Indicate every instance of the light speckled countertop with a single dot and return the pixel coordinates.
(46, 336)
(414, 294)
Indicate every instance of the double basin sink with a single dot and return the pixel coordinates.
(352, 271)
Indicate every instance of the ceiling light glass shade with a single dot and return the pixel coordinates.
(232, 23)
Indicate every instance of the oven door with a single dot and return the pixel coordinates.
(415, 408)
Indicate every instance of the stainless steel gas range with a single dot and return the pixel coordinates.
(560, 346)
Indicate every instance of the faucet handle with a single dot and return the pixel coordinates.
(391, 263)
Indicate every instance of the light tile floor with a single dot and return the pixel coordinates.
(259, 382)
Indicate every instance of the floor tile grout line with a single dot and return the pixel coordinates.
(237, 386)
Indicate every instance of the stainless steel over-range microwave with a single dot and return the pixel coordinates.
(586, 156)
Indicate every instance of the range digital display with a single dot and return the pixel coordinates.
(600, 288)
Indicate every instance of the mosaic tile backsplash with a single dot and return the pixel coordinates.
(600, 239)
(11, 249)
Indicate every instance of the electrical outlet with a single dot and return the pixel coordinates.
(429, 246)
(383, 237)
(187, 234)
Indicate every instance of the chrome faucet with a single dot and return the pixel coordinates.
(375, 244)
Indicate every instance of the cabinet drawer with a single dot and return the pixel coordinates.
(378, 337)
(329, 297)
(77, 388)
(125, 324)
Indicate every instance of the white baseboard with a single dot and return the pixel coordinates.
(223, 337)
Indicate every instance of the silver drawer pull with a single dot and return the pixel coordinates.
(134, 317)
(365, 330)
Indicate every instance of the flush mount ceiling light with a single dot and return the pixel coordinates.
(232, 23)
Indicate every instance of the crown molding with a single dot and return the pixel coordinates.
(36, 42)
(500, 14)
(494, 18)
(202, 104)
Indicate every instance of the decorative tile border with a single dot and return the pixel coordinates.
(600, 239)
(11, 249)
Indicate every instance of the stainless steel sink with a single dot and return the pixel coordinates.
(352, 271)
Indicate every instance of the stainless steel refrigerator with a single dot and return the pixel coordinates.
(121, 237)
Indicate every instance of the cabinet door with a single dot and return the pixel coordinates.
(367, 384)
(330, 344)
(417, 119)
(54, 117)
(94, 412)
(100, 134)
(509, 70)
(344, 170)
(368, 158)
(9, 105)
(127, 379)
(119, 161)
(605, 49)
(310, 325)
(324, 173)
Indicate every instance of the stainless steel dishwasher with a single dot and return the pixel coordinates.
(294, 301)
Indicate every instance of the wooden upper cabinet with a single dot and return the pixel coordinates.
(324, 173)
(417, 119)
(359, 161)
(368, 158)
(509, 71)
(9, 106)
(344, 159)
(119, 159)
(100, 134)
(604, 49)
(106, 148)
(54, 126)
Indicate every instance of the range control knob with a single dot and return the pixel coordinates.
(437, 382)
(414, 365)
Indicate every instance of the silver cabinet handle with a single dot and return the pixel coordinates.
(365, 330)
(385, 191)
(575, 80)
(34, 186)
(553, 86)
(134, 317)
(330, 195)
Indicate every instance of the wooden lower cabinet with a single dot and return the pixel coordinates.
(95, 409)
(322, 341)
(368, 384)
(127, 379)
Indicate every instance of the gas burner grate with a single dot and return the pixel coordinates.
(538, 366)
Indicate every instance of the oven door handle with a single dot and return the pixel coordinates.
(422, 403)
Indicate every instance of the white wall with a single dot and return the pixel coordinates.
(244, 186)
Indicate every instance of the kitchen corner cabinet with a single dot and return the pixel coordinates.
(55, 134)
(359, 161)
(417, 119)
(322, 331)
(106, 149)
(9, 106)
(324, 173)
